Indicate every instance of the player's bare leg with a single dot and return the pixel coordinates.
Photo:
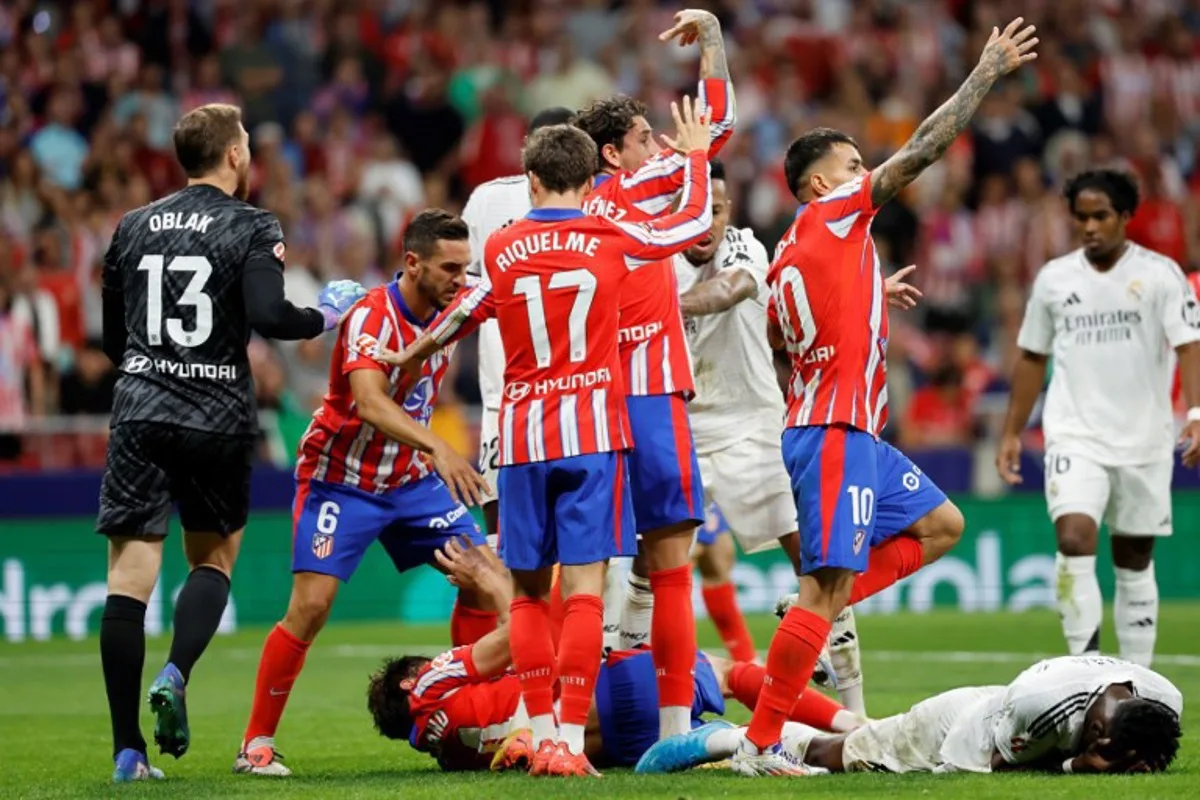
(283, 656)
(715, 562)
(198, 611)
(1080, 604)
(133, 567)
(672, 624)
(1135, 605)
(616, 578)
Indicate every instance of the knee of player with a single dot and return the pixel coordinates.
(309, 607)
(949, 523)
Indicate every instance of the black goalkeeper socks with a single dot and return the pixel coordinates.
(198, 612)
(122, 654)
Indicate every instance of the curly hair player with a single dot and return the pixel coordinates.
(1108, 308)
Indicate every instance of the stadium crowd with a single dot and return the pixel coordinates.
(363, 113)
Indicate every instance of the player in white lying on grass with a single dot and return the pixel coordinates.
(1072, 714)
(492, 206)
(1112, 314)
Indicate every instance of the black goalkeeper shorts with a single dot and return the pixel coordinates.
(151, 465)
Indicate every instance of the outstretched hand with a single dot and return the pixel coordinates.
(1008, 49)
(689, 24)
(692, 130)
(900, 294)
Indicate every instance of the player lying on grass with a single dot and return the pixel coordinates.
(1085, 714)
(464, 707)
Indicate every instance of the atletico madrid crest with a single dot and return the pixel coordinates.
(322, 545)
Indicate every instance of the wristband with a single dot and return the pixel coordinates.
(1193, 414)
(1066, 767)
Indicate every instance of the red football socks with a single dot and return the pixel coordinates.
(721, 602)
(790, 662)
(673, 636)
(811, 708)
(896, 558)
(533, 653)
(282, 659)
(579, 656)
(469, 625)
(556, 612)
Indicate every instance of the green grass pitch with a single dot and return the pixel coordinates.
(55, 737)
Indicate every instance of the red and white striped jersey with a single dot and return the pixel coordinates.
(461, 717)
(653, 345)
(553, 284)
(828, 297)
(338, 446)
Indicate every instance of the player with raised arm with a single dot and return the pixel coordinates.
(1073, 714)
(370, 469)
(637, 182)
(185, 280)
(490, 207)
(564, 495)
(1111, 314)
(862, 506)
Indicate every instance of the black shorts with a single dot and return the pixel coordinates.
(150, 465)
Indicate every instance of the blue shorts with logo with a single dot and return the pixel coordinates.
(565, 511)
(334, 525)
(627, 702)
(852, 492)
(664, 474)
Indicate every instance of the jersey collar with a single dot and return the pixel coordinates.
(601, 178)
(553, 214)
(405, 311)
(800, 210)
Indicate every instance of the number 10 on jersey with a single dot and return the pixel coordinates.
(530, 287)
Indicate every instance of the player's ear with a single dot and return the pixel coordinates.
(588, 186)
(410, 260)
(535, 187)
(407, 684)
(611, 156)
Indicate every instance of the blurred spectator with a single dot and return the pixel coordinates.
(566, 80)
(940, 413)
(22, 381)
(150, 101)
(59, 149)
(88, 388)
(391, 185)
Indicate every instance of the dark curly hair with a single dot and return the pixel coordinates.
(387, 701)
(1119, 186)
(608, 120)
(1148, 728)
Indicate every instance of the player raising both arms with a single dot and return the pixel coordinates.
(564, 495)
(636, 183)
(185, 280)
(1111, 314)
(370, 469)
(862, 506)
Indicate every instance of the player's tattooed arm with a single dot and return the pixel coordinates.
(692, 25)
(719, 293)
(1004, 52)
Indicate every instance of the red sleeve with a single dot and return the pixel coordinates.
(847, 205)
(451, 670)
(653, 186)
(661, 238)
(366, 329)
(468, 311)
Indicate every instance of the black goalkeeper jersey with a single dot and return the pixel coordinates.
(176, 268)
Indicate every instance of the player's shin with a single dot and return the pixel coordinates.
(721, 603)
(578, 665)
(282, 660)
(122, 655)
(1135, 612)
(198, 611)
(673, 644)
(846, 656)
(636, 611)
(468, 622)
(615, 578)
(1080, 604)
(534, 662)
(891, 561)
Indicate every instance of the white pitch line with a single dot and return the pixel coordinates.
(384, 651)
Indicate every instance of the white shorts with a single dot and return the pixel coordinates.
(489, 447)
(1133, 500)
(750, 485)
(913, 741)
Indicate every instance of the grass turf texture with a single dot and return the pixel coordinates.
(56, 742)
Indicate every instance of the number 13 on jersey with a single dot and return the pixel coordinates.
(530, 287)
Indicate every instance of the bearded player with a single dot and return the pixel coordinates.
(636, 183)
(369, 468)
(862, 507)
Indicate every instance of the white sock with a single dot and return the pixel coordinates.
(572, 737)
(847, 661)
(797, 737)
(614, 600)
(544, 727)
(636, 612)
(673, 720)
(724, 743)
(1135, 612)
(1079, 602)
(846, 720)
